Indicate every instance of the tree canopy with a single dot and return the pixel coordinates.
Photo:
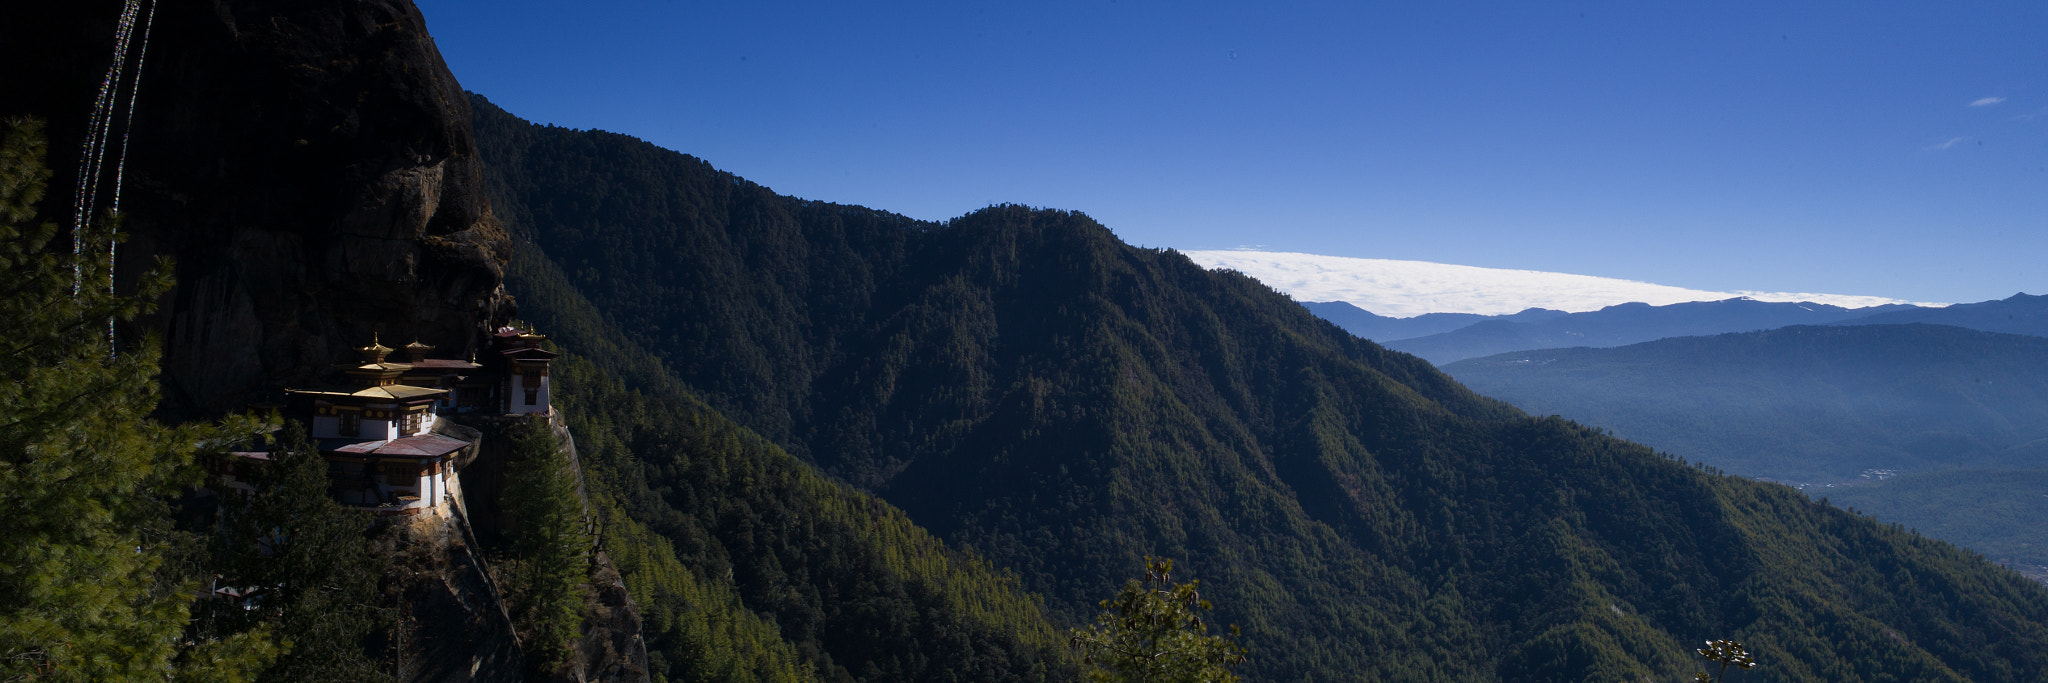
(87, 588)
(1153, 632)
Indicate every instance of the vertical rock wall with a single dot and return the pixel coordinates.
(308, 164)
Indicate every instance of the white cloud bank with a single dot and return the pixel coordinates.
(1987, 101)
(1404, 289)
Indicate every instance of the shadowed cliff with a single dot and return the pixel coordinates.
(308, 165)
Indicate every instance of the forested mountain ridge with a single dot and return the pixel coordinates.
(2000, 513)
(1030, 388)
(753, 566)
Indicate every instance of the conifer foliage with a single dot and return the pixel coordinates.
(298, 565)
(85, 591)
(547, 575)
(1725, 653)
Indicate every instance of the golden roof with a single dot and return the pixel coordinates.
(389, 392)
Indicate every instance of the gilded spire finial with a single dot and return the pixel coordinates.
(375, 352)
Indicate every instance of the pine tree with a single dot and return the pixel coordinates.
(1154, 633)
(85, 594)
(549, 568)
(302, 565)
(1726, 653)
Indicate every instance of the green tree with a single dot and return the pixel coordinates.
(1153, 633)
(548, 571)
(85, 592)
(303, 565)
(1725, 653)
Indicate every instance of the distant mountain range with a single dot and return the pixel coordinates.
(1368, 325)
(1938, 428)
(2017, 314)
(1450, 337)
(1621, 325)
(1799, 404)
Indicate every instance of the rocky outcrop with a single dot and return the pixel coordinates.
(309, 165)
(452, 623)
(612, 649)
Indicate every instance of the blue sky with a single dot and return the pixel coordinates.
(1886, 149)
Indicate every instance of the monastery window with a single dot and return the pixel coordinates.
(410, 424)
(532, 394)
(351, 424)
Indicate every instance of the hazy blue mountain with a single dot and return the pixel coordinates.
(1625, 324)
(1369, 325)
(2018, 314)
(1803, 403)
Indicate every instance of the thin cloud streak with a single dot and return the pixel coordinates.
(1951, 142)
(1411, 288)
(1987, 101)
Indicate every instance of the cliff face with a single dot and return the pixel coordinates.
(309, 165)
(612, 649)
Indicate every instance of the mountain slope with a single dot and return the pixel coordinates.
(1025, 385)
(1813, 404)
(1622, 324)
(2001, 513)
(748, 564)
